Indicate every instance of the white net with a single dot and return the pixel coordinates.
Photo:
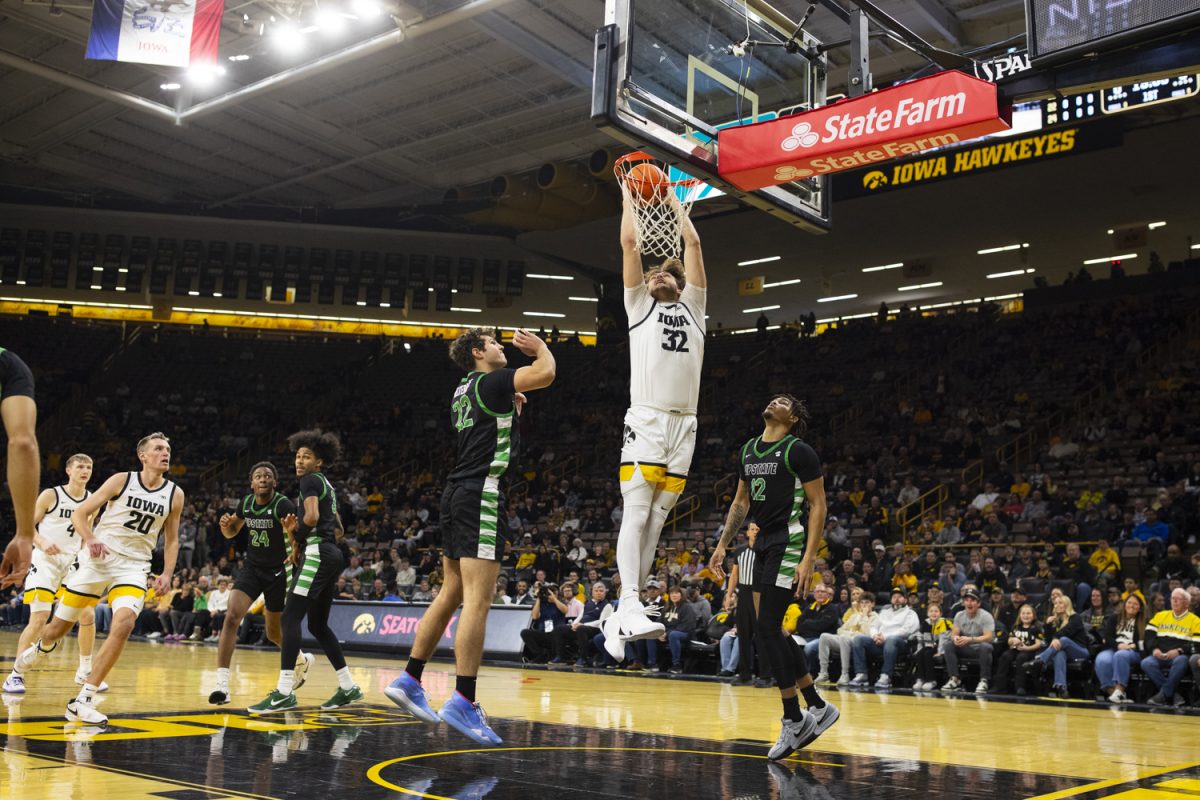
(659, 204)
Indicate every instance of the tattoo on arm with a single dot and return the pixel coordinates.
(733, 523)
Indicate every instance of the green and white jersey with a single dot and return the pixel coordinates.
(483, 414)
(775, 474)
(315, 484)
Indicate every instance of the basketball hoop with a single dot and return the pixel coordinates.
(659, 204)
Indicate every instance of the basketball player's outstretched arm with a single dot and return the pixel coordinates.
(540, 373)
(162, 583)
(631, 266)
(733, 524)
(693, 258)
(814, 490)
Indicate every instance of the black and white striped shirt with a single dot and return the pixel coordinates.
(745, 562)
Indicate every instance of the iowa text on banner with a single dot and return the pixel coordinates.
(170, 33)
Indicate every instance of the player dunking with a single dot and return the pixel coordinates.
(265, 573)
(318, 562)
(55, 547)
(778, 475)
(483, 411)
(666, 352)
(115, 559)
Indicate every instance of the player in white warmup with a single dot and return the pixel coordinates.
(666, 351)
(55, 547)
(115, 560)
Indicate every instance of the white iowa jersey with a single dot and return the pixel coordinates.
(666, 349)
(56, 527)
(134, 518)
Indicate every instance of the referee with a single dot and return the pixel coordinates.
(742, 577)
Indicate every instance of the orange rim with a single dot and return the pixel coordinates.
(637, 156)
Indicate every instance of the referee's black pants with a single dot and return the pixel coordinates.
(746, 625)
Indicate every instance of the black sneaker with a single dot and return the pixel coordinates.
(676, 669)
(1159, 699)
(742, 680)
(219, 697)
(1179, 701)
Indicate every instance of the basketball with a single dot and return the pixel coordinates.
(647, 181)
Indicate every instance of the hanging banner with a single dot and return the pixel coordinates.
(941, 110)
(169, 33)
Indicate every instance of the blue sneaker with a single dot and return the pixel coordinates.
(407, 692)
(469, 719)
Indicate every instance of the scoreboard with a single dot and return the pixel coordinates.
(1066, 29)
(1066, 108)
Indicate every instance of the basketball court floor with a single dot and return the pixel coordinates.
(566, 734)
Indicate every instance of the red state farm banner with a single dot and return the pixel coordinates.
(942, 109)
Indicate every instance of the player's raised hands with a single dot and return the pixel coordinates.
(289, 524)
(519, 401)
(527, 343)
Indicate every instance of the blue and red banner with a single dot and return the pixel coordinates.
(170, 33)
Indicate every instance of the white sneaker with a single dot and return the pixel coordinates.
(844, 679)
(154, 635)
(825, 718)
(860, 679)
(14, 684)
(952, 685)
(822, 677)
(303, 663)
(1117, 696)
(884, 682)
(30, 655)
(792, 736)
(929, 686)
(81, 678)
(635, 624)
(981, 687)
(611, 628)
(85, 712)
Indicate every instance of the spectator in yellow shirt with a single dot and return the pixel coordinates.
(1106, 562)
(904, 578)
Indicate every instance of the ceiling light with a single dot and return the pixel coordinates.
(897, 265)
(193, 293)
(766, 260)
(543, 314)
(836, 297)
(329, 20)
(781, 283)
(385, 305)
(287, 38)
(360, 302)
(1001, 249)
(119, 288)
(1110, 259)
(95, 286)
(169, 87)
(466, 310)
(584, 299)
(1154, 225)
(367, 9)
(915, 286)
(240, 57)
(1002, 297)
(1110, 231)
(1196, 247)
(762, 308)
(204, 74)
(1011, 273)
(543, 276)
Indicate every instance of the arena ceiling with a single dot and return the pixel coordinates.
(467, 91)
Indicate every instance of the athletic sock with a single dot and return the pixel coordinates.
(466, 686)
(85, 663)
(287, 679)
(87, 693)
(811, 698)
(222, 677)
(344, 679)
(791, 709)
(415, 668)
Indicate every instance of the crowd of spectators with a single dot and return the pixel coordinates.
(1124, 473)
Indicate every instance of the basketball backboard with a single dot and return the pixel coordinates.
(671, 73)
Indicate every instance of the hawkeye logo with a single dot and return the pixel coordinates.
(875, 179)
(364, 624)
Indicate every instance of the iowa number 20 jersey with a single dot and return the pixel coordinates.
(775, 474)
(134, 518)
(482, 413)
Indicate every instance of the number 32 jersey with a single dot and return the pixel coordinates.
(134, 518)
(666, 349)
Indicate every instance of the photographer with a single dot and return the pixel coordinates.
(552, 606)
